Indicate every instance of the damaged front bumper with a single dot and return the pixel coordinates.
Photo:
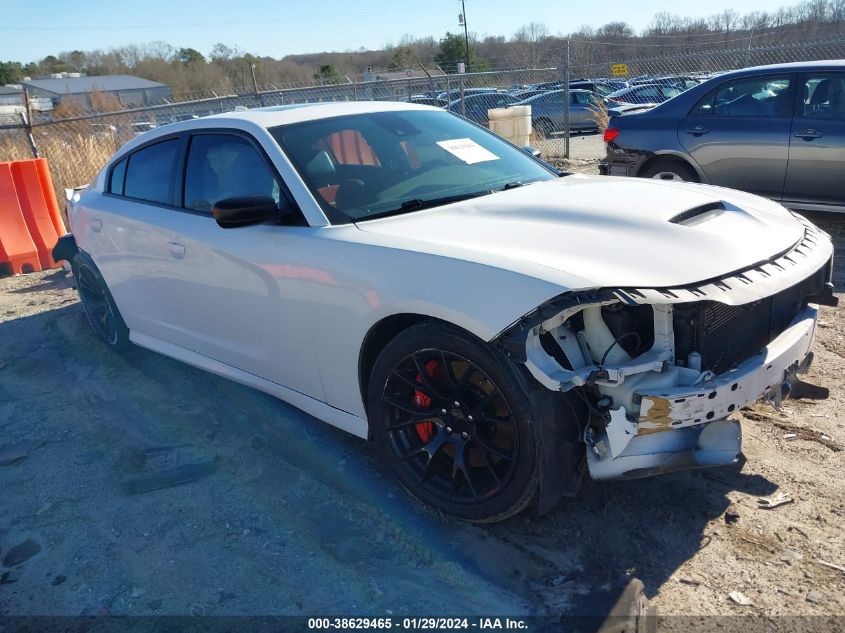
(685, 427)
(662, 368)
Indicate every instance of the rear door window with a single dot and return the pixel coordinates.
(764, 96)
(824, 96)
(149, 172)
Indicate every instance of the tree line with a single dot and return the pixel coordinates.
(225, 69)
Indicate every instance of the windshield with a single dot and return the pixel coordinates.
(368, 165)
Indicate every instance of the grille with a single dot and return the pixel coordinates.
(727, 335)
(730, 334)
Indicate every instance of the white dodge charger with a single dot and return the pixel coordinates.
(494, 327)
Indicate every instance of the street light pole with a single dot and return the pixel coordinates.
(466, 33)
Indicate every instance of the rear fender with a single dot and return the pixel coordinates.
(66, 248)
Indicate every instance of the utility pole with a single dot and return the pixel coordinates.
(254, 81)
(255, 86)
(27, 120)
(466, 32)
(750, 45)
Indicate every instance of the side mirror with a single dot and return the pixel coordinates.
(231, 213)
(533, 151)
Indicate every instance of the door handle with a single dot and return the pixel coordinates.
(697, 130)
(809, 134)
(177, 249)
(96, 225)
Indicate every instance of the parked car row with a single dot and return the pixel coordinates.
(547, 99)
(777, 131)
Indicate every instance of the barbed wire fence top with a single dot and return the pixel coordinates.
(78, 147)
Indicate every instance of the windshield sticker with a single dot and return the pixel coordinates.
(467, 150)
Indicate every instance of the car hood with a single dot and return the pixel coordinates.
(611, 232)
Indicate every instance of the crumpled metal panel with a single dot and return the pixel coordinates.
(679, 407)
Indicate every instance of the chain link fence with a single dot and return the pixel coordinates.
(78, 147)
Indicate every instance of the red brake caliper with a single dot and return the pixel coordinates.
(425, 429)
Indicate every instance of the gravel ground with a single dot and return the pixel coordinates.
(278, 513)
(583, 148)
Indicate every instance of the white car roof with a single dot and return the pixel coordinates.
(271, 116)
(279, 115)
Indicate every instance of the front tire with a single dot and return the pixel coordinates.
(98, 304)
(453, 421)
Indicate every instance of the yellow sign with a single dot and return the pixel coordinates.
(619, 69)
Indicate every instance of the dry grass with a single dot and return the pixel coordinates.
(14, 146)
(75, 151)
(600, 116)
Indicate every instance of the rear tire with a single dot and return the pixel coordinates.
(453, 421)
(666, 169)
(98, 304)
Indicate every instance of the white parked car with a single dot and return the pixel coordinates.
(490, 324)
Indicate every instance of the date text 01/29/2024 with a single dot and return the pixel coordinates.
(407, 624)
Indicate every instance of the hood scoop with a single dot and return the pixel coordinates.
(695, 215)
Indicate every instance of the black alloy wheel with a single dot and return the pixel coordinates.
(450, 426)
(452, 420)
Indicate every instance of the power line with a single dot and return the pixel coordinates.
(186, 25)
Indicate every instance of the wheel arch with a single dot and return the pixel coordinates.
(381, 333)
(672, 156)
(89, 259)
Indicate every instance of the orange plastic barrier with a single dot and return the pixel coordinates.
(30, 224)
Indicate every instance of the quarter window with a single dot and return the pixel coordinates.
(225, 166)
(149, 172)
(118, 173)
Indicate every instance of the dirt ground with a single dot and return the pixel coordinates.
(278, 513)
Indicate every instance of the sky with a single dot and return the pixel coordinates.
(32, 29)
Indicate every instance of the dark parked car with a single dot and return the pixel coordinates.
(425, 99)
(455, 93)
(599, 87)
(681, 82)
(614, 82)
(648, 93)
(549, 85)
(777, 131)
(547, 111)
(477, 105)
(526, 94)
